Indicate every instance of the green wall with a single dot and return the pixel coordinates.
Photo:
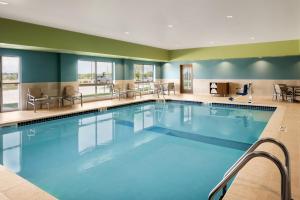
(32, 36)
(287, 67)
(59, 51)
(274, 49)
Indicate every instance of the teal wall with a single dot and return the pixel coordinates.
(249, 68)
(37, 66)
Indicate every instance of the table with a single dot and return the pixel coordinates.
(59, 99)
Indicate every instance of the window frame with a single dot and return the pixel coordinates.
(94, 65)
(17, 82)
(143, 72)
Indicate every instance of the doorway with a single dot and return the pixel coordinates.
(186, 78)
(9, 83)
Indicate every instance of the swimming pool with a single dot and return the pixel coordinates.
(176, 150)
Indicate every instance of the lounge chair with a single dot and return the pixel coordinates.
(154, 88)
(283, 92)
(117, 90)
(70, 94)
(171, 87)
(134, 89)
(36, 97)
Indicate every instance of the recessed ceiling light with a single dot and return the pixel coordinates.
(127, 33)
(229, 16)
(252, 38)
(170, 26)
(3, 3)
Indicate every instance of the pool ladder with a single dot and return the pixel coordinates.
(284, 170)
(163, 100)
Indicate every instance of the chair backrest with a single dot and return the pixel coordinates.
(157, 86)
(35, 92)
(69, 91)
(283, 87)
(171, 86)
(277, 89)
(132, 86)
(116, 87)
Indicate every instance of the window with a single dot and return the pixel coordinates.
(144, 73)
(95, 77)
(10, 83)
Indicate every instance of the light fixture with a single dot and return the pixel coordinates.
(212, 42)
(170, 26)
(229, 16)
(127, 33)
(3, 3)
(252, 38)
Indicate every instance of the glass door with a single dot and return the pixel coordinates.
(186, 79)
(10, 83)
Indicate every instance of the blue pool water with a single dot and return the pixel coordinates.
(145, 151)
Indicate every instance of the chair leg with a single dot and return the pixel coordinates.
(81, 101)
(48, 105)
(34, 107)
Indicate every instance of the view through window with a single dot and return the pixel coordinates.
(143, 73)
(94, 77)
(10, 83)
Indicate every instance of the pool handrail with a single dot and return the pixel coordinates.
(244, 160)
(254, 147)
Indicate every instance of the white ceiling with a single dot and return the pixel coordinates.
(196, 23)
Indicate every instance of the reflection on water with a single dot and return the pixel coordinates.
(11, 148)
(47, 152)
(96, 130)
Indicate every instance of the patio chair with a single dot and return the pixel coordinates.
(283, 92)
(36, 97)
(171, 87)
(70, 94)
(297, 94)
(117, 90)
(154, 88)
(134, 89)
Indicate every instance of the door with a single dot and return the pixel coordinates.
(9, 83)
(186, 78)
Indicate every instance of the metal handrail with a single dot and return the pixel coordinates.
(244, 161)
(253, 147)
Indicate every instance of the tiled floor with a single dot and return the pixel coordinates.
(258, 180)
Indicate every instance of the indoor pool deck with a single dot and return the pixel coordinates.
(258, 180)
